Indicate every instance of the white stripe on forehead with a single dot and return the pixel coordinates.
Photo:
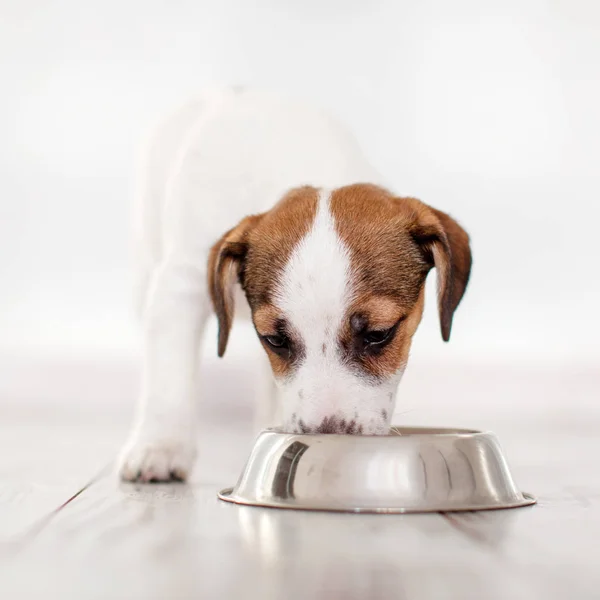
(315, 290)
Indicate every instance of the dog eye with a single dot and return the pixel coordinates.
(277, 341)
(376, 338)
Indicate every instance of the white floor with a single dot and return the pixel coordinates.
(61, 425)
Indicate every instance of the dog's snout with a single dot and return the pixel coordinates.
(333, 424)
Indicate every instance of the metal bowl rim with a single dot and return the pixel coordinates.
(226, 495)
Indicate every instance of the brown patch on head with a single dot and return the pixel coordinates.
(394, 242)
(385, 258)
(255, 253)
(272, 241)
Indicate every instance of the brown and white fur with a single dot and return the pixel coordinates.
(332, 266)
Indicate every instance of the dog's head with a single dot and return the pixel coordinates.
(335, 282)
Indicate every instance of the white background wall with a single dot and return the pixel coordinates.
(488, 110)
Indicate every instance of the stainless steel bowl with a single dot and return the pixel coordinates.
(410, 470)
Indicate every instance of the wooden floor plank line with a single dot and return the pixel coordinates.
(19, 542)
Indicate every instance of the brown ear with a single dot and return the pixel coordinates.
(446, 244)
(225, 264)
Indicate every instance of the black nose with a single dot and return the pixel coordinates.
(333, 425)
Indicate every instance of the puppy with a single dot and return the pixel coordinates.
(332, 266)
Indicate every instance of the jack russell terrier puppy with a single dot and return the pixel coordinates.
(332, 266)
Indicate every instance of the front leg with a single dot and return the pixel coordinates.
(162, 444)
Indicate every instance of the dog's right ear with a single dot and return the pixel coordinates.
(225, 263)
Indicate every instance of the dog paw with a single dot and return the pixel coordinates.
(157, 460)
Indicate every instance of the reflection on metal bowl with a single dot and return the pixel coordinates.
(410, 470)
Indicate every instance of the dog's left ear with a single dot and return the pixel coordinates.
(225, 265)
(446, 245)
